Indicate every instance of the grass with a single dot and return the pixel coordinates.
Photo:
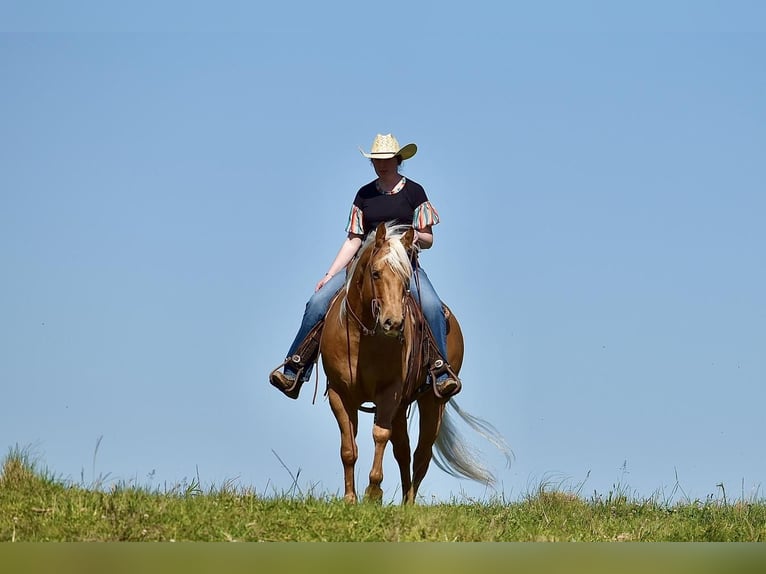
(35, 506)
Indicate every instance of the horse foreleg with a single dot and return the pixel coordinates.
(400, 441)
(430, 412)
(347, 423)
(380, 436)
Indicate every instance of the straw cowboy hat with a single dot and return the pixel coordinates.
(386, 146)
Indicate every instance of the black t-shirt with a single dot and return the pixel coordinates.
(378, 207)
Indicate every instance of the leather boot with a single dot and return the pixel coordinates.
(448, 386)
(289, 383)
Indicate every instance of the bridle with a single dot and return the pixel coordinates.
(374, 302)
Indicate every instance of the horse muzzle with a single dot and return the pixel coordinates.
(391, 327)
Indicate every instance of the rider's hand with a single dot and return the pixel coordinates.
(322, 281)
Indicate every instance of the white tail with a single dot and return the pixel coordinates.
(454, 456)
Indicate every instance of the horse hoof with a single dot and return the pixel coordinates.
(373, 494)
(350, 498)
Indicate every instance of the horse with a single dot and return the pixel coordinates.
(366, 351)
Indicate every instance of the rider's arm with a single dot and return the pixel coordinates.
(345, 254)
(424, 237)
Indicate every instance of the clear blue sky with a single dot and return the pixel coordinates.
(175, 177)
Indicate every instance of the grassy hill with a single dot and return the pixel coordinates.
(35, 506)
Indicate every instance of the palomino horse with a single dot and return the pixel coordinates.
(368, 334)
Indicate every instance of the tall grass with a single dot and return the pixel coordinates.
(35, 506)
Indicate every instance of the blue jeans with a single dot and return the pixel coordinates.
(432, 309)
(319, 303)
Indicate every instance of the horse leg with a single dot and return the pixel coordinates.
(400, 441)
(386, 407)
(347, 423)
(430, 412)
(381, 437)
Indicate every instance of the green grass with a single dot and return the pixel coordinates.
(35, 506)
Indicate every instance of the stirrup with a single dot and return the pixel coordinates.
(283, 382)
(447, 390)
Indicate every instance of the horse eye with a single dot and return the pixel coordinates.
(376, 274)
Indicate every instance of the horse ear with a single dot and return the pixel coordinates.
(407, 239)
(380, 235)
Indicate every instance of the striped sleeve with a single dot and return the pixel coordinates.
(425, 215)
(354, 224)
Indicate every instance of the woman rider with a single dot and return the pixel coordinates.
(390, 197)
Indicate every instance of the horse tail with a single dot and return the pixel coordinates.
(455, 457)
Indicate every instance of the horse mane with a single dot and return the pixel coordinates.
(397, 257)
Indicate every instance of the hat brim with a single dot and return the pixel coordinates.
(406, 152)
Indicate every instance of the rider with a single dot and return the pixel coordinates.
(390, 197)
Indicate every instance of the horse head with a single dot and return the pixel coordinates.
(381, 278)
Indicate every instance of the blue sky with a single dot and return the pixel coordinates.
(175, 177)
